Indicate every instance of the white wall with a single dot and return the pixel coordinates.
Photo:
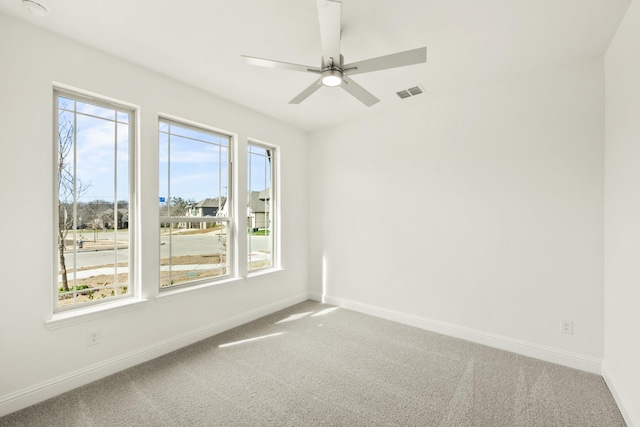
(622, 216)
(481, 211)
(35, 361)
(478, 214)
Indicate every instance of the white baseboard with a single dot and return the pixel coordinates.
(47, 389)
(621, 400)
(37, 393)
(549, 354)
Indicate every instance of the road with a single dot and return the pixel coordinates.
(196, 244)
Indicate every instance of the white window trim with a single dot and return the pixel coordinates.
(179, 292)
(231, 220)
(63, 314)
(276, 264)
(85, 314)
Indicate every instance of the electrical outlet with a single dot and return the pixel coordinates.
(567, 327)
(93, 338)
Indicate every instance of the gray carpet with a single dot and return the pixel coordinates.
(321, 366)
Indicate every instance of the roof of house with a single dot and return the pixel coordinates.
(211, 203)
(265, 194)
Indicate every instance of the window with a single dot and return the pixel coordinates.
(260, 206)
(195, 210)
(93, 152)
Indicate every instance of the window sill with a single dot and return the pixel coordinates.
(172, 294)
(81, 315)
(264, 272)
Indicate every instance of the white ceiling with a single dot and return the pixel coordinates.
(469, 43)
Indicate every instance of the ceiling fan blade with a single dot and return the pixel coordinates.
(307, 92)
(400, 59)
(330, 15)
(278, 64)
(358, 91)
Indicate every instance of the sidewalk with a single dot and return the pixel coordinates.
(84, 274)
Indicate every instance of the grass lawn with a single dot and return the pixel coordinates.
(260, 233)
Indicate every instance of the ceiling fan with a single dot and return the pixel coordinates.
(333, 71)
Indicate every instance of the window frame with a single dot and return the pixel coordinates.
(132, 111)
(275, 207)
(229, 219)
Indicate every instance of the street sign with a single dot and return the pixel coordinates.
(162, 199)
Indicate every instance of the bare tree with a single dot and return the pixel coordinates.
(69, 190)
(179, 205)
(94, 213)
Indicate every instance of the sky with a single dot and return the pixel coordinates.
(101, 151)
(193, 163)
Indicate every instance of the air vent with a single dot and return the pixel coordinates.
(412, 91)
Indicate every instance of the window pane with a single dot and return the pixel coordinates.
(93, 208)
(163, 199)
(195, 171)
(257, 150)
(259, 207)
(95, 110)
(122, 169)
(194, 175)
(95, 154)
(197, 134)
(189, 255)
(123, 117)
(65, 103)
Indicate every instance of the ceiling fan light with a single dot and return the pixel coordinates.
(332, 78)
